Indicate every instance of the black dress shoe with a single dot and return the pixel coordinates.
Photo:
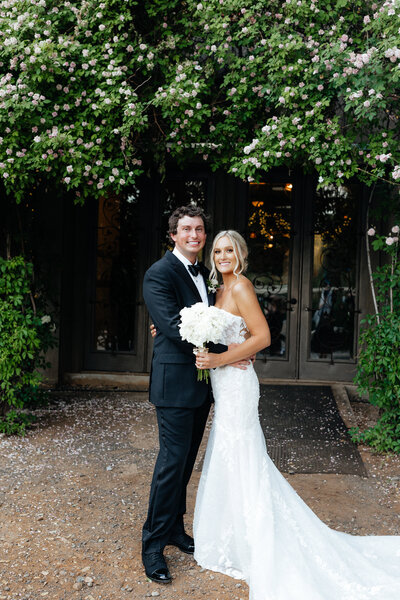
(159, 576)
(183, 541)
(156, 568)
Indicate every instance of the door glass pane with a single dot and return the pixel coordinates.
(180, 192)
(333, 294)
(268, 238)
(116, 274)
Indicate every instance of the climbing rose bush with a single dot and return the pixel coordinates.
(91, 92)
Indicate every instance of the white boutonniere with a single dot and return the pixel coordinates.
(212, 285)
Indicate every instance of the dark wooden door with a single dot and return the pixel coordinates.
(116, 324)
(304, 264)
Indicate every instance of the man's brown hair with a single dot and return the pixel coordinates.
(186, 211)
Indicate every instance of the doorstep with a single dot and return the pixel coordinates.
(135, 382)
(139, 382)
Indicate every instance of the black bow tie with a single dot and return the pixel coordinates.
(195, 269)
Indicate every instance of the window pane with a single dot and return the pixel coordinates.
(116, 274)
(334, 273)
(268, 238)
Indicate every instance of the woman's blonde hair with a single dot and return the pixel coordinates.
(239, 249)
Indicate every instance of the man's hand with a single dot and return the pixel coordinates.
(241, 364)
(153, 330)
(210, 360)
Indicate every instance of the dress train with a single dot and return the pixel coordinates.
(250, 523)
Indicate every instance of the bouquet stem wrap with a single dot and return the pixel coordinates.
(202, 374)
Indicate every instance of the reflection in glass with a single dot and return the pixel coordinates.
(180, 192)
(268, 238)
(116, 274)
(334, 273)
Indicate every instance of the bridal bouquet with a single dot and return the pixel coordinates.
(201, 324)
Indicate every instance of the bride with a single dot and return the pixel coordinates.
(249, 523)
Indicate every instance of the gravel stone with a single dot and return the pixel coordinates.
(58, 471)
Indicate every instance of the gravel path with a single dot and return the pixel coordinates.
(73, 497)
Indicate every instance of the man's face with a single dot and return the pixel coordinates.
(190, 237)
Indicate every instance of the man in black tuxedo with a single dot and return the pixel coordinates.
(182, 402)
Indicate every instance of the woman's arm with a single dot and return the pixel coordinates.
(248, 307)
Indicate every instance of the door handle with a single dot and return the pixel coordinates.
(290, 303)
(308, 309)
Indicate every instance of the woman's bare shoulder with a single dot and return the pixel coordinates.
(242, 286)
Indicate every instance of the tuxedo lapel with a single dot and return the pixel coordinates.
(184, 274)
(205, 273)
(211, 297)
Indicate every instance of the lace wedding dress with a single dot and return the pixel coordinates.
(250, 524)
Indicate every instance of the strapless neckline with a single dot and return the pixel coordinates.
(228, 313)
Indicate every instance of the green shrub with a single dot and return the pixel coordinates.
(378, 371)
(16, 422)
(25, 336)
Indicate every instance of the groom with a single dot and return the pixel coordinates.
(182, 403)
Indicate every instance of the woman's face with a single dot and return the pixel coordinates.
(224, 256)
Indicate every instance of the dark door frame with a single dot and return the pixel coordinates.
(227, 202)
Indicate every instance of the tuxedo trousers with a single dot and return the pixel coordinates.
(180, 433)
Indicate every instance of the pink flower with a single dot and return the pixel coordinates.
(390, 240)
(371, 231)
(395, 229)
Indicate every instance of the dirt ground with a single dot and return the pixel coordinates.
(73, 497)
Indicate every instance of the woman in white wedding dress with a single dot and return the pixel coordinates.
(249, 523)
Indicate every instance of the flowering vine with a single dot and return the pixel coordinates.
(92, 92)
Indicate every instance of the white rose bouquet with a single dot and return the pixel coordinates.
(201, 324)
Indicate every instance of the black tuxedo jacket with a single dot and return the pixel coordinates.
(167, 288)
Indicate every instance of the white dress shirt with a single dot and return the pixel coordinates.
(198, 280)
